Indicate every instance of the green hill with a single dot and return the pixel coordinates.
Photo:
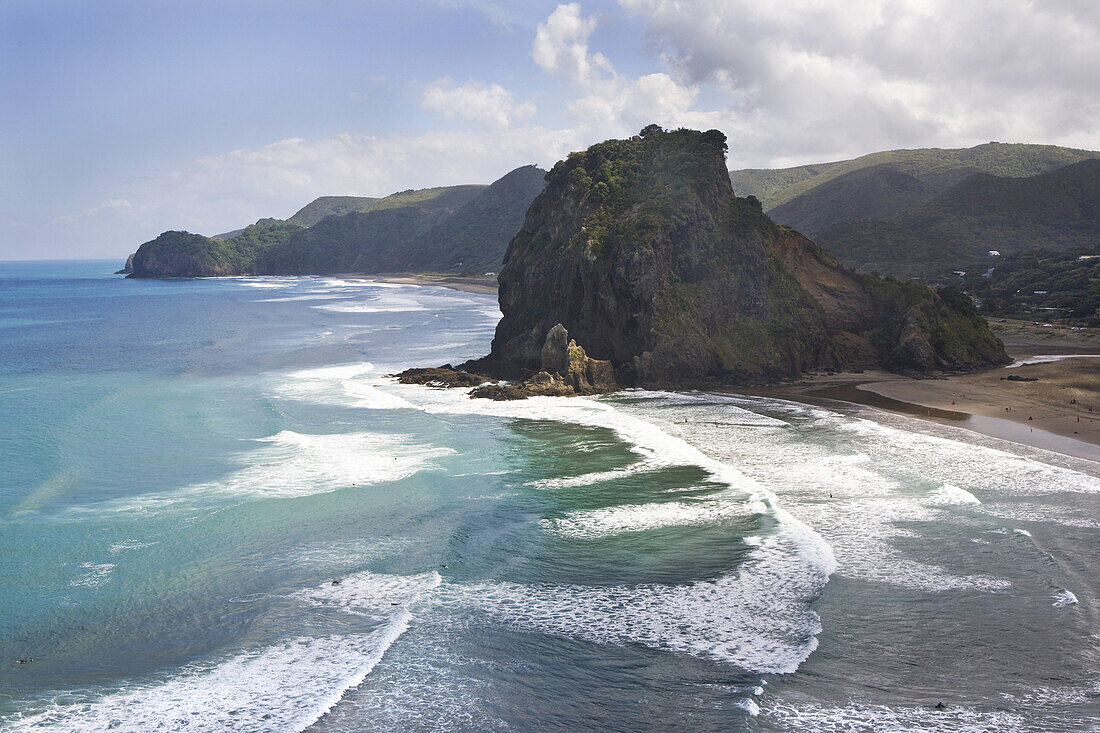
(937, 168)
(458, 229)
(1024, 282)
(324, 206)
(867, 193)
(472, 242)
(956, 229)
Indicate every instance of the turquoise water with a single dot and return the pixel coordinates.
(190, 465)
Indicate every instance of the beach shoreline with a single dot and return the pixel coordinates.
(1053, 405)
(1048, 403)
(480, 284)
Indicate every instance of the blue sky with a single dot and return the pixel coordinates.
(122, 119)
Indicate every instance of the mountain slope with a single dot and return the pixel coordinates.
(473, 241)
(867, 193)
(640, 249)
(324, 206)
(373, 241)
(449, 229)
(956, 229)
(937, 168)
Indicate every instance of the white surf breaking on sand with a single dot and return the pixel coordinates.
(286, 686)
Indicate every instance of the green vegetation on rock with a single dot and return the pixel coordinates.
(956, 230)
(455, 229)
(641, 250)
(1029, 282)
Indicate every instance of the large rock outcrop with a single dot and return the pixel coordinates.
(566, 372)
(641, 251)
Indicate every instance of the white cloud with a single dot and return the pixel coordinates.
(609, 104)
(788, 83)
(488, 104)
(561, 45)
(222, 192)
(808, 80)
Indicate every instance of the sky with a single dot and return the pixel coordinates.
(121, 119)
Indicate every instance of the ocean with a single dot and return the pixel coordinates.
(218, 512)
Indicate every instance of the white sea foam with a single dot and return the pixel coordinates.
(313, 296)
(369, 396)
(297, 464)
(287, 686)
(640, 517)
(349, 384)
(951, 495)
(857, 501)
(97, 573)
(369, 593)
(749, 706)
(129, 545)
(269, 283)
(491, 312)
(1064, 598)
(757, 617)
(341, 371)
(864, 717)
(1048, 358)
(388, 304)
(290, 464)
(597, 477)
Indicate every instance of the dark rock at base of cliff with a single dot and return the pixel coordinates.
(566, 371)
(128, 268)
(542, 384)
(444, 376)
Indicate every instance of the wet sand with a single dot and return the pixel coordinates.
(1065, 401)
(1060, 411)
(479, 284)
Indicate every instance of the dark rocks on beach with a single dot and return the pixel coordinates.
(444, 376)
(566, 371)
(1018, 378)
(128, 268)
(541, 384)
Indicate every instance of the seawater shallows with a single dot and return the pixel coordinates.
(217, 512)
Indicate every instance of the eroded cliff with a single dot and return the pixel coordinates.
(641, 250)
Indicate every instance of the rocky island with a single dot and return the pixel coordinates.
(639, 251)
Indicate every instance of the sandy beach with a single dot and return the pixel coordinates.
(1052, 404)
(478, 284)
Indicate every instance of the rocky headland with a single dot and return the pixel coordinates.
(641, 253)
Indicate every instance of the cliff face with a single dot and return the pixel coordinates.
(640, 249)
(182, 254)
